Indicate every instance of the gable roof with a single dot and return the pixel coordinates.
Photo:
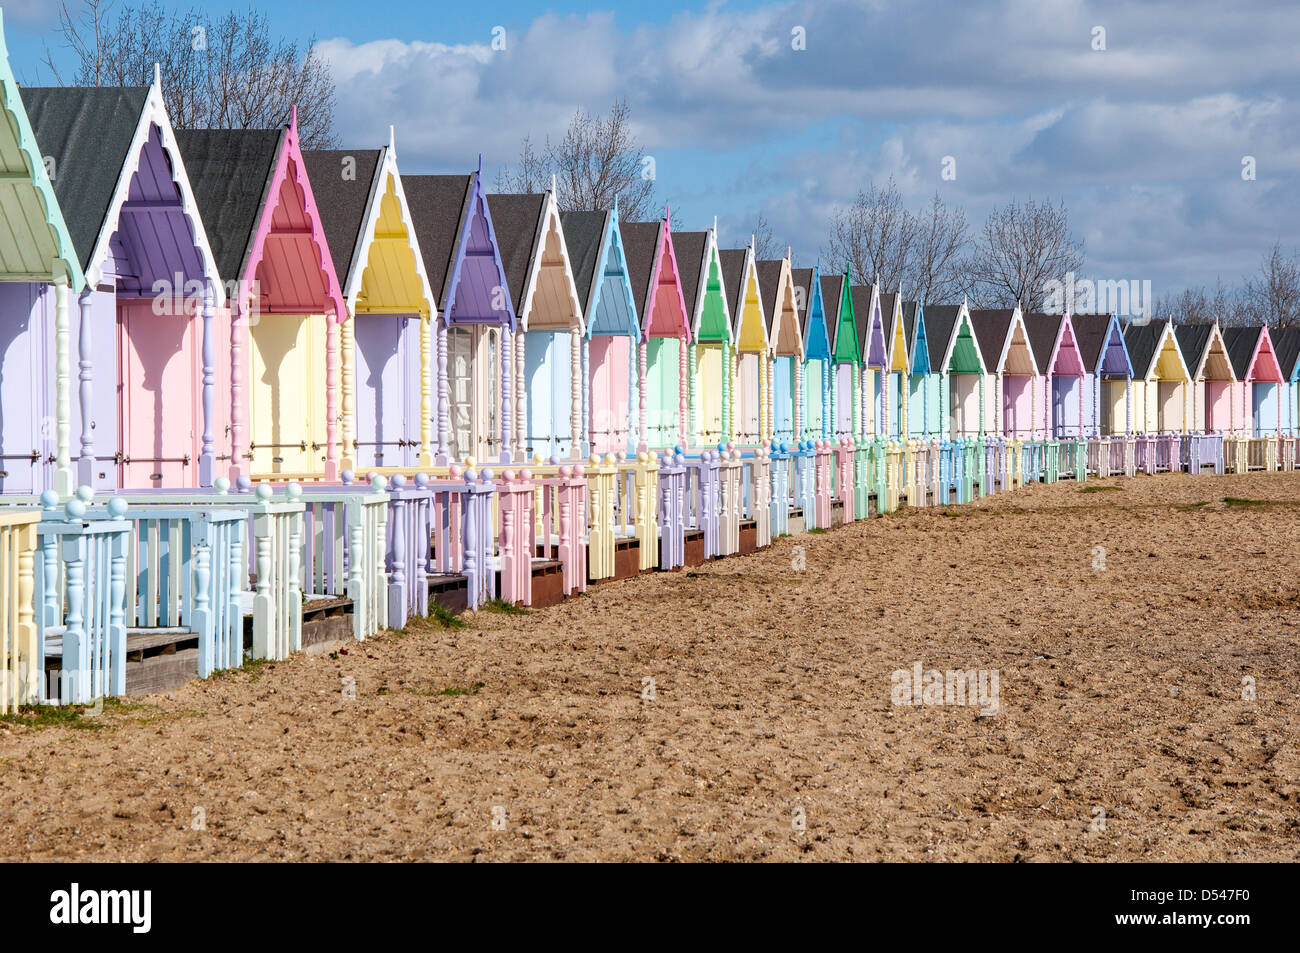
(641, 245)
(832, 288)
(1241, 343)
(1043, 331)
(1192, 340)
(940, 323)
(1143, 342)
(584, 236)
(439, 204)
(231, 172)
(733, 280)
(1090, 330)
(40, 239)
(769, 285)
(992, 327)
(691, 266)
(342, 201)
(88, 133)
(802, 278)
(1286, 346)
(516, 219)
(861, 296)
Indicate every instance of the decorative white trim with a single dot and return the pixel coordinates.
(963, 314)
(154, 114)
(550, 218)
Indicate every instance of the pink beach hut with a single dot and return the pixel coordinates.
(1213, 378)
(1259, 380)
(1013, 371)
(1061, 373)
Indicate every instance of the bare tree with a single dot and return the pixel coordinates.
(939, 240)
(874, 236)
(765, 246)
(226, 71)
(1273, 293)
(598, 158)
(1204, 305)
(1021, 249)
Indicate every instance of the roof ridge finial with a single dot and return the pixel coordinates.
(480, 165)
(293, 117)
(615, 209)
(554, 184)
(157, 75)
(392, 138)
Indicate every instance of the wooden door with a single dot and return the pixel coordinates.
(286, 406)
(383, 390)
(161, 393)
(748, 404)
(783, 371)
(26, 431)
(609, 367)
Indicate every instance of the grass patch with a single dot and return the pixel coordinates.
(452, 691)
(1188, 507)
(819, 531)
(444, 617)
(1240, 501)
(500, 605)
(1099, 488)
(54, 716)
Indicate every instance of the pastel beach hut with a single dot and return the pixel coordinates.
(875, 364)
(896, 365)
(147, 315)
(1162, 385)
(1259, 380)
(1286, 344)
(955, 351)
(815, 384)
(1013, 371)
(387, 374)
(1213, 377)
(751, 384)
(922, 383)
(776, 279)
(476, 317)
(1061, 373)
(1107, 373)
(611, 329)
(548, 344)
(40, 270)
(709, 352)
(865, 304)
(846, 369)
(283, 297)
(663, 376)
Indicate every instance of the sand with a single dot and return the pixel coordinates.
(769, 732)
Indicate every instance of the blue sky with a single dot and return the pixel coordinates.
(1144, 140)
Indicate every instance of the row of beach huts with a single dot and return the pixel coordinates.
(256, 399)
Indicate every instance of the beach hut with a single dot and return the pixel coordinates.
(1286, 344)
(846, 354)
(39, 269)
(709, 352)
(865, 305)
(283, 297)
(1213, 377)
(146, 407)
(476, 317)
(875, 361)
(1061, 373)
(1259, 380)
(547, 358)
(922, 383)
(751, 385)
(611, 329)
(776, 279)
(1161, 386)
(387, 375)
(815, 369)
(1013, 371)
(955, 351)
(663, 378)
(896, 365)
(1107, 373)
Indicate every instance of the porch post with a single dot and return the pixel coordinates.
(85, 366)
(207, 453)
(576, 377)
(426, 393)
(239, 462)
(521, 398)
(444, 405)
(681, 393)
(63, 476)
(643, 407)
(347, 390)
(332, 322)
(692, 395)
(507, 384)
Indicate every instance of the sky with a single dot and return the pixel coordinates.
(1146, 139)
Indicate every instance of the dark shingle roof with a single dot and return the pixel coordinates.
(1043, 330)
(1286, 345)
(87, 132)
(802, 288)
(992, 325)
(769, 286)
(1142, 341)
(341, 202)
(1192, 341)
(438, 205)
(832, 299)
(640, 242)
(909, 329)
(583, 233)
(230, 171)
(1090, 335)
(1241, 343)
(940, 320)
(514, 221)
(733, 277)
(861, 296)
(688, 247)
